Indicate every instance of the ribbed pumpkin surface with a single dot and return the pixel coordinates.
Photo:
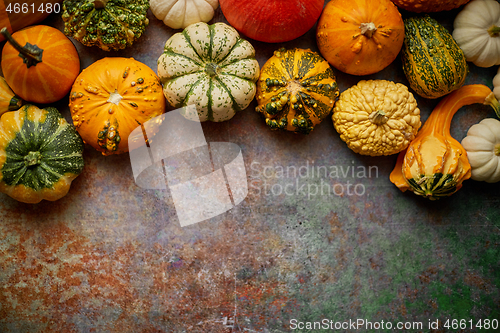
(49, 80)
(429, 6)
(296, 90)
(432, 61)
(211, 67)
(40, 154)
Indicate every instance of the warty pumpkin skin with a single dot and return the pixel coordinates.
(432, 61)
(44, 70)
(40, 154)
(107, 24)
(377, 117)
(435, 164)
(429, 6)
(296, 90)
(272, 21)
(360, 37)
(112, 97)
(211, 67)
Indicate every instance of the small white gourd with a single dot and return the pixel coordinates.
(178, 14)
(482, 144)
(477, 32)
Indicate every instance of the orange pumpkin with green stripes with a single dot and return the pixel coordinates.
(39, 63)
(296, 90)
(433, 62)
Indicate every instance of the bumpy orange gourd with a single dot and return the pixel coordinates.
(360, 37)
(435, 164)
(39, 63)
(111, 98)
(429, 6)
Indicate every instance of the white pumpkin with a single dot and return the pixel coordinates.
(211, 67)
(496, 84)
(178, 14)
(482, 144)
(477, 29)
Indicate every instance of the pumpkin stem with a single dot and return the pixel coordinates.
(15, 103)
(497, 149)
(211, 69)
(31, 54)
(494, 31)
(33, 158)
(378, 117)
(368, 29)
(100, 3)
(493, 102)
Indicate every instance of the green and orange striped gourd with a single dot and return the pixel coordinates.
(432, 61)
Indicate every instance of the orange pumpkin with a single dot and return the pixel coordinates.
(360, 37)
(39, 63)
(111, 98)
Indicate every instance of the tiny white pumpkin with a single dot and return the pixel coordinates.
(211, 67)
(496, 84)
(482, 144)
(477, 32)
(178, 14)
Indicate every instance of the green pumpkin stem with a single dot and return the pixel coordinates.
(33, 158)
(31, 54)
(15, 103)
(211, 69)
(492, 101)
(494, 31)
(497, 149)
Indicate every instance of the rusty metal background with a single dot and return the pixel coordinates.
(112, 257)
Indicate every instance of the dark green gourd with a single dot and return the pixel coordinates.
(108, 24)
(40, 154)
(433, 62)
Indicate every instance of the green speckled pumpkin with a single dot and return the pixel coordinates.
(40, 154)
(296, 90)
(211, 67)
(433, 62)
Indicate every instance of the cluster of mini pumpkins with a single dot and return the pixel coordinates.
(214, 68)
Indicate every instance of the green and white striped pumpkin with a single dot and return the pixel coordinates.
(433, 62)
(40, 154)
(211, 67)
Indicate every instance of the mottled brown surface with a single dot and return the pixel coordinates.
(112, 257)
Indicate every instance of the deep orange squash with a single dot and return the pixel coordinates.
(272, 21)
(111, 98)
(39, 63)
(435, 164)
(360, 37)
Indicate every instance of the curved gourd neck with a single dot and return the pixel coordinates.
(440, 119)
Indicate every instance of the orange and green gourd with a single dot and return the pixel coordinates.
(435, 164)
(111, 98)
(296, 90)
(40, 154)
(432, 61)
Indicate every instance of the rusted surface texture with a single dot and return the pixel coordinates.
(112, 257)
